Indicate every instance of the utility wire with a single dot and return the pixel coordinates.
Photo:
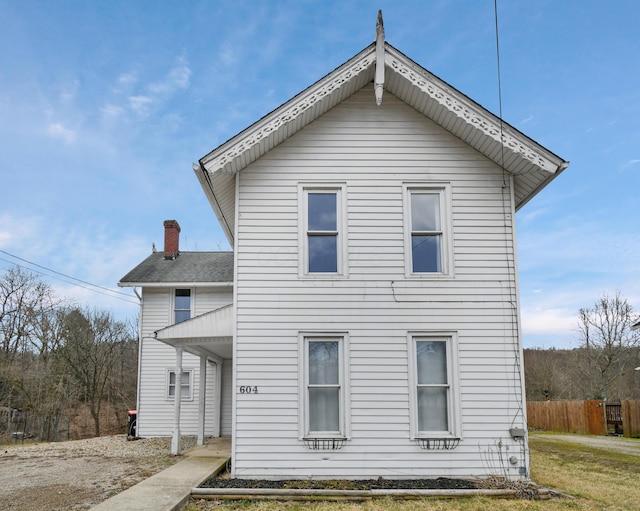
(517, 366)
(66, 277)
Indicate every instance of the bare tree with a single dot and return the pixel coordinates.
(45, 383)
(24, 301)
(548, 374)
(23, 297)
(54, 357)
(91, 340)
(608, 345)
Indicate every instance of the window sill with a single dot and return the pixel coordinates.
(323, 276)
(429, 276)
(434, 444)
(324, 443)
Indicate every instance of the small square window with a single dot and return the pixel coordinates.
(185, 384)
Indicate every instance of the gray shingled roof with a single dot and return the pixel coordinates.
(196, 267)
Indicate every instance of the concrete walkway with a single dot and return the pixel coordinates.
(169, 490)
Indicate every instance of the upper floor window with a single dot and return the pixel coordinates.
(428, 223)
(323, 230)
(182, 305)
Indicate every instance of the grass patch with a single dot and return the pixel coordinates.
(596, 478)
(600, 478)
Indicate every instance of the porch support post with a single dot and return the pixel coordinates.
(218, 429)
(202, 394)
(175, 434)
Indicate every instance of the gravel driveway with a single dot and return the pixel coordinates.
(77, 474)
(612, 443)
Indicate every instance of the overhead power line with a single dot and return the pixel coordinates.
(77, 282)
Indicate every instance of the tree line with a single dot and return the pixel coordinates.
(601, 367)
(59, 360)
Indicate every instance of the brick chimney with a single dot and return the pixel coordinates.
(171, 239)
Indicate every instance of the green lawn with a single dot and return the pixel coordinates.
(595, 478)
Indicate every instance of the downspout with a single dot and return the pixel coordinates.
(515, 430)
(175, 434)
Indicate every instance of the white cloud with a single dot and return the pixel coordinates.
(555, 321)
(177, 78)
(227, 55)
(90, 252)
(142, 100)
(128, 78)
(112, 111)
(69, 93)
(57, 130)
(140, 105)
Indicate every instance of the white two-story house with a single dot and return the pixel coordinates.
(367, 322)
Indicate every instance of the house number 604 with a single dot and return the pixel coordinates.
(248, 389)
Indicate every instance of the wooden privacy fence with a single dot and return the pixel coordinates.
(631, 418)
(584, 417)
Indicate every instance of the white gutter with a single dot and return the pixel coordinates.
(175, 284)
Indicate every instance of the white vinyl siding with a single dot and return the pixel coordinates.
(155, 411)
(227, 398)
(377, 151)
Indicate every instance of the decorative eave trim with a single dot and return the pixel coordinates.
(378, 83)
(469, 111)
(220, 159)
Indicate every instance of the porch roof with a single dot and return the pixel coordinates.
(209, 334)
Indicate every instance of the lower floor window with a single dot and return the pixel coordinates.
(185, 384)
(324, 386)
(433, 390)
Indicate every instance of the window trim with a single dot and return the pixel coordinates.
(168, 384)
(446, 229)
(454, 417)
(340, 189)
(303, 381)
(173, 304)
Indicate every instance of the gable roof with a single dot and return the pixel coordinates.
(187, 269)
(532, 165)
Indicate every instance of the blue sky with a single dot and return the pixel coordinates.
(105, 105)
